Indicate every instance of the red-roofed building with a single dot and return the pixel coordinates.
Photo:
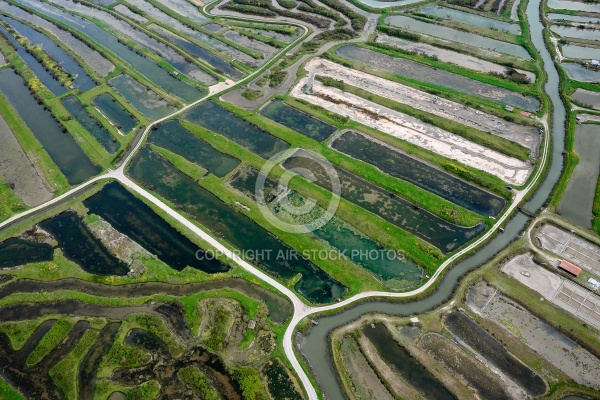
(569, 267)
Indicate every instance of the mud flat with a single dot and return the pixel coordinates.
(415, 70)
(527, 136)
(414, 131)
(91, 57)
(449, 56)
(578, 199)
(470, 370)
(578, 363)
(493, 351)
(18, 169)
(418, 172)
(456, 35)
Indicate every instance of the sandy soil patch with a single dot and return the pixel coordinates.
(527, 136)
(541, 280)
(19, 171)
(414, 131)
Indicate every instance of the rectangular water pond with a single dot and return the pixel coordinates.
(144, 100)
(217, 119)
(574, 5)
(233, 226)
(395, 272)
(115, 112)
(404, 364)
(174, 137)
(400, 165)
(414, 70)
(578, 199)
(471, 19)
(476, 337)
(580, 73)
(576, 32)
(81, 80)
(588, 98)
(36, 67)
(61, 147)
(91, 57)
(158, 75)
(80, 245)
(469, 38)
(297, 120)
(218, 63)
(574, 18)
(16, 251)
(410, 217)
(132, 217)
(124, 28)
(581, 52)
(91, 124)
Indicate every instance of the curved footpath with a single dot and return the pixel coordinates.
(301, 310)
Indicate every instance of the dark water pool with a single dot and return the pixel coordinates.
(233, 226)
(174, 137)
(16, 251)
(134, 218)
(80, 245)
(61, 147)
(419, 173)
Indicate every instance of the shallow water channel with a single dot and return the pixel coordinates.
(316, 345)
(578, 199)
(62, 147)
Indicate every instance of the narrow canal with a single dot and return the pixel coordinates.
(316, 346)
